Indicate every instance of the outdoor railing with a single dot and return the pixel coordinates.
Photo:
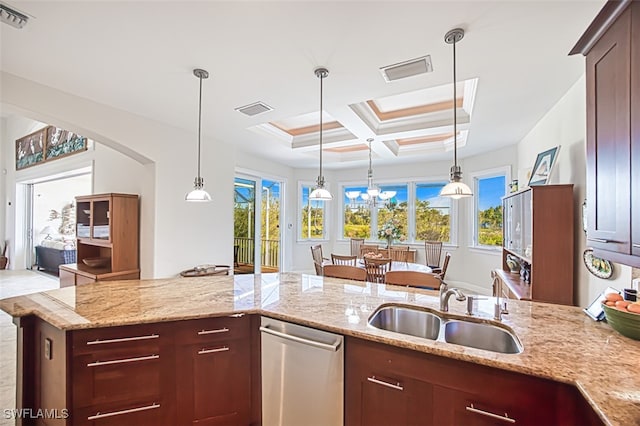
(245, 248)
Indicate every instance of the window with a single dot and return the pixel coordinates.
(489, 188)
(312, 213)
(415, 208)
(433, 213)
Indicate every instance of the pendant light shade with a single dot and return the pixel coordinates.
(320, 193)
(455, 188)
(199, 194)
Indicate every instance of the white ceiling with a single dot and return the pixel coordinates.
(138, 56)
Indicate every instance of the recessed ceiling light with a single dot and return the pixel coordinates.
(254, 108)
(407, 68)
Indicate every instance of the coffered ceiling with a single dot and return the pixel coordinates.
(138, 56)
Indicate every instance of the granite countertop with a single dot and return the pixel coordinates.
(560, 342)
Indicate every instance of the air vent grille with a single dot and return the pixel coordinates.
(254, 108)
(407, 69)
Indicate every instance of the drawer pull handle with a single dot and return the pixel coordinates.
(219, 330)
(118, 413)
(123, 339)
(504, 418)
(604, 240)
(122, 361)
(397, 386)
(236, 315)
(211, 351)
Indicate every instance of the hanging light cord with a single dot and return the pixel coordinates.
(321, 178)
(455, 115)
(370, 168)
(199, 122)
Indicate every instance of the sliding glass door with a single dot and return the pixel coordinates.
(256, 223)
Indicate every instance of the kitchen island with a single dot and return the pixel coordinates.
(560, 343)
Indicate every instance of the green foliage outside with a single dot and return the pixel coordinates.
(432, 224)
(312, 222)
(273, 214)
(357, 223)
(490, 226)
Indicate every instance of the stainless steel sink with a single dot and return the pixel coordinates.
(435, 325)
(405, 320)
(481, 336)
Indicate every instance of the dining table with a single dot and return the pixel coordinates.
(395, 266)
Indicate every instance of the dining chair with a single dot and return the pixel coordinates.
(432, 251)
(318, 259)
(319, 268)
(384, 252)
(368, 248)
(413, 279)
(355, 246)
(345, 271)
(376, 269)
(338, 259)
(399, 253)
(445, 264)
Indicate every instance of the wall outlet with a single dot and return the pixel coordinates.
(635, 284)
(47, 348)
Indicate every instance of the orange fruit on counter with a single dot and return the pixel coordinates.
(613, 297)
(622, 304)
(634, 307)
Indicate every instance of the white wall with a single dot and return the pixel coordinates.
(565, 125)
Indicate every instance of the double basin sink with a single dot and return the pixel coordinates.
(435, 325)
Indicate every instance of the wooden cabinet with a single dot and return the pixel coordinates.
(107, 228)
(213, 375)
(538, 233)
(422, 389)
(612, 49)
(381, 387)
(197, 372)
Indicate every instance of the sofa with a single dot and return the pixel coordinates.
(52, 254)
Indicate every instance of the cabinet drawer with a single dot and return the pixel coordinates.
(135, 338)
(116, 377)
(212, 329)
(139, 413)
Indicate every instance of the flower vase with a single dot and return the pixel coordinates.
(389, 241)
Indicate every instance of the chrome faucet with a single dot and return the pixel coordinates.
(445, 293)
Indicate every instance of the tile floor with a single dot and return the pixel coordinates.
(15, 283)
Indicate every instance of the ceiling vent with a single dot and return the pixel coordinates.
(407, 69)
(254, 108)
(12, 17)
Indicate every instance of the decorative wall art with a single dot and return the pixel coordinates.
(61, 143)
(30, 149)
(49, 143)
(543, 166)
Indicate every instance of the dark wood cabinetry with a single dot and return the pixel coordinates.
(213, 375)
(108, 228)
(538, 232)
(198, 372)
(612, 49)
(422, 389)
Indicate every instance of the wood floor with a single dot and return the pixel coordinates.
(15, 283)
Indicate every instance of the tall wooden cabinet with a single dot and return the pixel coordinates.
(611, 45)
(107, 228)
(538, 233)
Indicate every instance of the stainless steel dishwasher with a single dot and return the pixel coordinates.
(302, 375)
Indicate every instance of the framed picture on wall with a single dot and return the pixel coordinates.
(30, 149)
(61, 143)
(541, 171)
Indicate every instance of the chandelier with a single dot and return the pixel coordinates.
(373, 192)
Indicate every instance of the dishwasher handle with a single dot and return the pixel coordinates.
(329, 347)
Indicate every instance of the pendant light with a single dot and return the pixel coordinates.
(455, 188)
(199, 194)
(320, 193)
(373, 191)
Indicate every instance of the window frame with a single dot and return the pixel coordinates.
(325, 216)
(411, 210)
(476, 177)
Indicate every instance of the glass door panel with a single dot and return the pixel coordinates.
(244, 210)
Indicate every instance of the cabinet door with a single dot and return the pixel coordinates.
(608, 138)
(214, 383)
